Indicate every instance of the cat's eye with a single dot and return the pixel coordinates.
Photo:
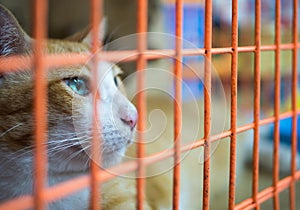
(117, 72)
(78, 85)
(117, 80)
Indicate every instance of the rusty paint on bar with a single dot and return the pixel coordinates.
(276, 166)
(233, 115)
(177, 102)
(294, 106)
(40, 105)
(95, 19)
(141, 98)
(207, 103)
(256, 104)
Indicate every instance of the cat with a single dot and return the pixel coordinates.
(69, 119)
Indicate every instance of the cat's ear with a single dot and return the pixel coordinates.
(101, 33)
(13, 40)
(85, 35)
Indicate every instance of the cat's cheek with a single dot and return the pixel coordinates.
(81, 115)
(88, 110)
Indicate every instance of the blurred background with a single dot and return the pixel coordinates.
(69, 16)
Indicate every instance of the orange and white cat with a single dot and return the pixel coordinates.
(69, 132)
(69, 117)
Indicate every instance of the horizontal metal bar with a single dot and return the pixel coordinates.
(13, 63)
(267, 193)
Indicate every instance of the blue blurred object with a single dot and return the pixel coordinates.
(193, 22)
(192, 89)
(193, 38)
(285, 130)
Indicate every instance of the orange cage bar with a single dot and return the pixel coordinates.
(177, 103)
(207, 102)
(96, 16)
(233, 116)
(141, 66)
(294, 104)
(40, 62)
(40, 104)
(277, 104)
(257, 90)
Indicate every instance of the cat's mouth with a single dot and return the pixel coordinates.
(77, 148)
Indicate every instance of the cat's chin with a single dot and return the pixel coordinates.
(112, 158)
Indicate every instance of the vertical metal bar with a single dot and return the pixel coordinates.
(207, 102)
(277, 104)
(294, 106)
(233, 118)
(255, 181)
(141, 98)
(177, 103)
(96, 15)
(40, 103)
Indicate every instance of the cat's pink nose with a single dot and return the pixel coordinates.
(130, 118)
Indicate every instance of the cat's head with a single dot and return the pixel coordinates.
(69, 104)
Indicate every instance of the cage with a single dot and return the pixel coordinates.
(253, 46)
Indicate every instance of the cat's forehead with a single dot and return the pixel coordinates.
(104, 68)
(59, 46)
(69, 72)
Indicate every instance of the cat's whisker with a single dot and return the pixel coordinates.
(64, 133)
(21, 152)
(60, 141)
(62, 147)
(75, 137)
(27, 149)
(51, 151)
(87, 162)
(2, 134)
(60, 144)
(76, 153)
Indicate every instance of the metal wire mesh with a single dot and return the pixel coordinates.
(40, 62)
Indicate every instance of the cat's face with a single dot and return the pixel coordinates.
(70, 105)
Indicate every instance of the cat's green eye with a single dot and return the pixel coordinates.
(78, 85)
